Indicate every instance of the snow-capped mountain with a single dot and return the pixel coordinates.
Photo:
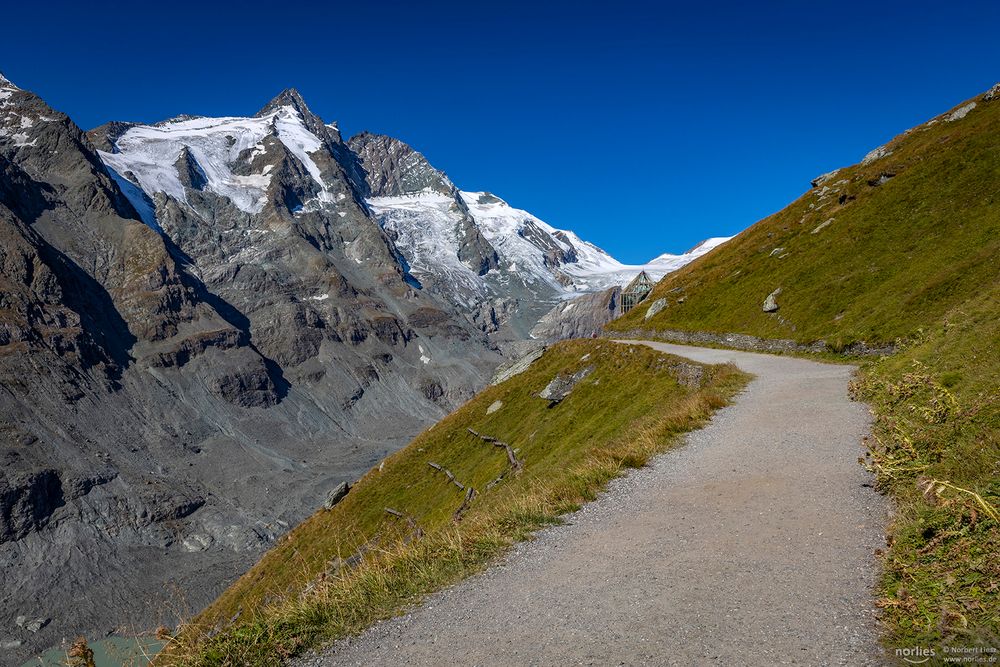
(520, 260)
(500, 266)
(666, 262)
(560, 257)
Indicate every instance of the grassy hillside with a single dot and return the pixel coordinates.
(344, 568)
(907, 238)
(936, 447)
(901, 250)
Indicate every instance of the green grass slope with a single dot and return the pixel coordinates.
(910, 236)
(903, 250)
(346, 567)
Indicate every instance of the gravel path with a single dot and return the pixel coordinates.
(752, 544)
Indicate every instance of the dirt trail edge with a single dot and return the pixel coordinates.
(751, 544)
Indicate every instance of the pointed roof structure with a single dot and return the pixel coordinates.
(640, 283)
(636, 291)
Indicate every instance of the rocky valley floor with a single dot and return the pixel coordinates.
(751, 544)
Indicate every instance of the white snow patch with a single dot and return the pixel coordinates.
(21, 140)
(149, 152)
(139, 200)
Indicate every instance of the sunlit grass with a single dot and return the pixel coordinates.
(344, 568)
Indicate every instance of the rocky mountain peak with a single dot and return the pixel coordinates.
(6, 83)
(288, 97)
(394, 168)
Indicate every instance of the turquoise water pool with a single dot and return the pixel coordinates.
(110, 652)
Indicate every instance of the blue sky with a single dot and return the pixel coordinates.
(645, 127)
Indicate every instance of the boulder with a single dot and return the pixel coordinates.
(875, 154)
(336, 495)
(882, 179)
(197, 542)
(562, 385)
(494, 406)
(655, 307)
(821, 226)
(771, 303)
(960, 113)
(823, 178)
(37, 624)
(508, 371)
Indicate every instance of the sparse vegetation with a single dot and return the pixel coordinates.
(80, 654)
(397, 535)
(936, 447)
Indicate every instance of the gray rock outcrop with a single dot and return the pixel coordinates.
(771, 302)
(655, 307)
(581, 317)
(336, 494)
(519, 365)
(562, 385)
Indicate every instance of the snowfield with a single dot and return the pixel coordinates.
(147, 155)
(425, 226)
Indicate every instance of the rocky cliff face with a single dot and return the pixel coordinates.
(582, 317)
(202, 331)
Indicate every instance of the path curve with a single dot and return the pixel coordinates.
(751, 544)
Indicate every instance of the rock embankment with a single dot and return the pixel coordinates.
(754, 343)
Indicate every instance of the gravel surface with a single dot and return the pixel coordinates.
(751, 544)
